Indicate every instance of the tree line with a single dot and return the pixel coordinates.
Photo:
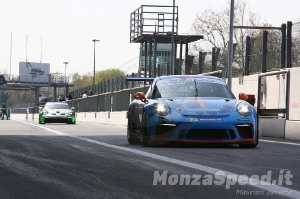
(214, 26)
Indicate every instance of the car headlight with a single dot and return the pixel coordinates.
(244, 109)
(72, 113)
(161, 109)
(45, 112)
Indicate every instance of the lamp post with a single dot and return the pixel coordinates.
(66, 77)
(173, 55)
(230, 46)
(94, 40)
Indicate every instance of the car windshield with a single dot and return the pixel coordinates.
(191, 87)
(43, 99)
(56, 106)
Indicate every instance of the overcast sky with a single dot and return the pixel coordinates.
(62, 30)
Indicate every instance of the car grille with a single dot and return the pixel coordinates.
(58, 113)
(245, 131)
(165, 131)
(232, 134)
(48, 120)
(207, 134)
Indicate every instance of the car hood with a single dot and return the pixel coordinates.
(196, 106)
(57, 110)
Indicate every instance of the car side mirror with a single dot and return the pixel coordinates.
(251, 99)
(141, 96)
(40, 107)
(243, 96)
(73, 108)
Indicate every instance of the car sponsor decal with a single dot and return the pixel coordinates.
(193, 105)
(201, 103)
(206, 119)
(188, 79)
(243, 119)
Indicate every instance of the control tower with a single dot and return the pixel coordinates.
(151, 26)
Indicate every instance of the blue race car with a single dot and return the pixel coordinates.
(191, 109)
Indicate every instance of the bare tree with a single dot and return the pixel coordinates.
(214, 26)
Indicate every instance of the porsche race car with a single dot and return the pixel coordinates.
(196, 109)
(57, 112)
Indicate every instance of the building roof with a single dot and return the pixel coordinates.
(166, 38)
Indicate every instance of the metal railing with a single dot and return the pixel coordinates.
(110, 101)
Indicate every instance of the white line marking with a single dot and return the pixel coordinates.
(125, 127)
(102, 124)
(289, 143)
(210, 170)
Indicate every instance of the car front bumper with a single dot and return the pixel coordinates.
(204, 129)
(56, 118)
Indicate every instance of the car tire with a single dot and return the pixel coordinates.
(69, 121)
(144, 139)
(41, 122)
(130, 138)
(249, 145)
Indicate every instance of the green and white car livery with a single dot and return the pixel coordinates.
(57, 112)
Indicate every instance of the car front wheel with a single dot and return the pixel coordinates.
(145, 139)
(130, 138)
(41, 122)
(249, 145)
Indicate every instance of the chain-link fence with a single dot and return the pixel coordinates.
(273, 51)
(296, 44)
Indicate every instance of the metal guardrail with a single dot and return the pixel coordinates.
(285, 111)
(110, 101)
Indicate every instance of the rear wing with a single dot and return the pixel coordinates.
(139, 79)
(217, 73)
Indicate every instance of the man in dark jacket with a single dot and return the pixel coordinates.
(4, 111)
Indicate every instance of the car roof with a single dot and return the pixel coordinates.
(188, 76)
(56, 103)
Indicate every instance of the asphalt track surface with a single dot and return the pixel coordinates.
(96, 161)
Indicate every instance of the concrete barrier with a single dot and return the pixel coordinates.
(102, 117)
(118, 118)
(292, 130)
(272, 127)
(109, 118)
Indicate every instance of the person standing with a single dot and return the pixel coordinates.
(4, 111)
(69, 96)
(85, 94)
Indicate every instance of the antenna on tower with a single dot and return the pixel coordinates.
(41, 48)
(26, 45)
(10, 56)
